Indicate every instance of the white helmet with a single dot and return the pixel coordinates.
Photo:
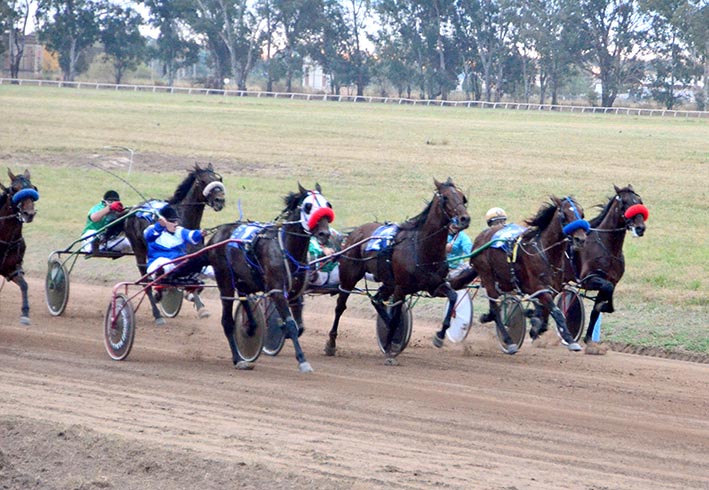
(495, 216)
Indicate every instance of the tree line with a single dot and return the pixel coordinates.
(419, 48)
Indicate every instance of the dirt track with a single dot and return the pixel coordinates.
(176, 415)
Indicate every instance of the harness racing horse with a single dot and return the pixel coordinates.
(16, 208)
(202, 187)
(273, 260)
(601, 264)
(414, 261)
(530, 264)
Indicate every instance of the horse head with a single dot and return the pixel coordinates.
(453, 203)
(633, 211)
(315, 212)
(211, 186)
(22, 194)
(573, 224)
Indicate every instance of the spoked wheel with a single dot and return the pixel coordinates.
(275, 336)
(170, 303)
(514, 321)
(119, 328)
(56, 287)
(249, 339)
(462, 317)
(570, 303)
(402, 331)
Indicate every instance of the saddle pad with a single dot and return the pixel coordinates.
(147, 209)
(246, 234)
(505, 237)
(382, 238)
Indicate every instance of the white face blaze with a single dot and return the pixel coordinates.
(312, 209)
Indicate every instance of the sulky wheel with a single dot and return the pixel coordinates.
(248, 338)
(462, 317)
(170, 302)
(56, 287)
(275, 336)
(514, 320)
(570, 303)
(402, 331)
(119, 328)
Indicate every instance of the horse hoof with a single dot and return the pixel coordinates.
(244, 366)
(511, 349)
(437, 341)
(25, 320)
(300, 331)
(159, 322)
(330, 350)
(203, 313)
(305, 367)
(574, 347)
(391, 361)
(487, 317)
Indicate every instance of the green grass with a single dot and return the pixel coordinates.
(379, 161)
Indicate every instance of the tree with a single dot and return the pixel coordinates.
(14, 18)
(613, 32)
(69, 27)
(172, 47)
(124, 46)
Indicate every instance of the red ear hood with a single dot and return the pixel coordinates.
(636, 209)
(318, 214)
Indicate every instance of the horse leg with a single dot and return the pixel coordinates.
(228, 325)
(296, 308)
(19, 279)
(331, 344)
(452, 298)
(539, 320)
(602, 303)
(291, 329)
(511, 347)
(560, 320)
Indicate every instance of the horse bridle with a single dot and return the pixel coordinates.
(28, 190)
(452, 218)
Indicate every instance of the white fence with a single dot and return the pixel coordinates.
(632, 111)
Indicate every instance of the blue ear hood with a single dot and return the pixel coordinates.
(24, 194)
(575, 225)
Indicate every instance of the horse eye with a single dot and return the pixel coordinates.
(308, 208)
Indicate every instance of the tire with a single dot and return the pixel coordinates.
(571, 305)
(514, 320)
(402, 331)
(275, 336)
(170, 303)
(119, 334)
(249, 343)
(462, 318)
(56, 287)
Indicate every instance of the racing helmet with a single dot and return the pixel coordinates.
(495, 216)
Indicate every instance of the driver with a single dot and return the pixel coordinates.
(99, 217)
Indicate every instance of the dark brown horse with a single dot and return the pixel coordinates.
(202, 187)
(600, 265)
(415, 261)
(275, 262)
(16, 208)
(529, 264)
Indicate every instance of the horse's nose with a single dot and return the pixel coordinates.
(28, 216)
(464, 222)
(639, 230)
(218, 203)
(323, 236)
(579, 241)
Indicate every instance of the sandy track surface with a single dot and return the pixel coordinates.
(175, 414)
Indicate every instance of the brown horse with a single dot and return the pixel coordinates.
(530, 263)
(414, 262)
(275, 262)
(601, 264)
(202, 187)
(16, 208)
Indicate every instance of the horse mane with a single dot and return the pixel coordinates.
(183, 189)
(3, 198)
(418, 220)
(605, 208)
(543, 218)
(292, 200)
